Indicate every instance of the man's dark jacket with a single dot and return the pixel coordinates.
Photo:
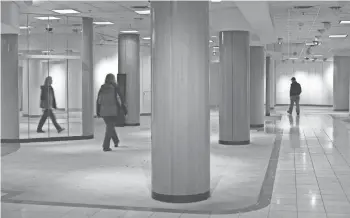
(295, 89)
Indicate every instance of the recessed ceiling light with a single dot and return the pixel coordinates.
(129, 31)
(25, 27)
(338, 36)
(146, 38)
(215, 0)
(66, 11)
(143, 12)
(47, 18)
(318, 55)
(344, 22)
(215, 47)
(211, 41)
(103, 23)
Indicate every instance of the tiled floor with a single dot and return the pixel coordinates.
(312, 176)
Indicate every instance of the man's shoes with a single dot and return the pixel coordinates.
(289, 112)
(40, 131)
(116, 144)
(107, 149)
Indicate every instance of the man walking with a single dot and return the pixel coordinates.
(294, 93)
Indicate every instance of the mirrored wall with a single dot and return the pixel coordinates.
(49, 49)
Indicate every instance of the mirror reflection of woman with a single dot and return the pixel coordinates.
(48, 103)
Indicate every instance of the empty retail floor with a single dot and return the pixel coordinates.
(294, 167)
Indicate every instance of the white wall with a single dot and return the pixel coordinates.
(315, 78)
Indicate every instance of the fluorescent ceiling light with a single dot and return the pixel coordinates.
(25, 27)
(215, 0)
(47, 18)
(344, 22)
(129, 31)
(293, 58)
(146, 38)
(318, 55)
(143, 12)
(309, 43)
(211, 41)
(103, 23)
(66, 11)
(338, 36)
(45, 51)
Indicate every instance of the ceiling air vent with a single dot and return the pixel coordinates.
(303, 7)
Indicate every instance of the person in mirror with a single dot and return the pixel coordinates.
(294, 93)
(108, 106)
(48, 103)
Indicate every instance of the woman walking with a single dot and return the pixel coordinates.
(47, 103)
(109, 105)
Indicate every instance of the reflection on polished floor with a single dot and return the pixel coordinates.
(295, 167)
(72, 122)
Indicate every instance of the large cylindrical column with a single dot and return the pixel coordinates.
(257, 64)
(9, 72)
(180, 101)
(341, 83)
(33, 78)
(267, 85)
(234, 112)
(87, 77)
(129, 64)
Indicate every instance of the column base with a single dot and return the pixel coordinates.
(234, 142)
(341, 110)
(256, 125)
(132, 124)
(181, 198)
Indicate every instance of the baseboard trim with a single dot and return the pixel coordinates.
(52, 139)
(308, 105)
(31, 116)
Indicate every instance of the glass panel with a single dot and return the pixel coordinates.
(50, 49)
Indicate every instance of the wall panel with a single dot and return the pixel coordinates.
(316, 79)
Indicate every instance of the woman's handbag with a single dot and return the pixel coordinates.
(122, 111)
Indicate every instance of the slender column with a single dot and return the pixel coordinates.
(87, 77)
(180, 101)
(257, 58)
(341, 83)
(234, 112)
(32, 80)
(267, 86)
(9, 72)
(272, 84)
(129, 64)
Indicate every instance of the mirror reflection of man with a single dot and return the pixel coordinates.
(294, 93)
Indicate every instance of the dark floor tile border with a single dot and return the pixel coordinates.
(52, 139)
(263, 201)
